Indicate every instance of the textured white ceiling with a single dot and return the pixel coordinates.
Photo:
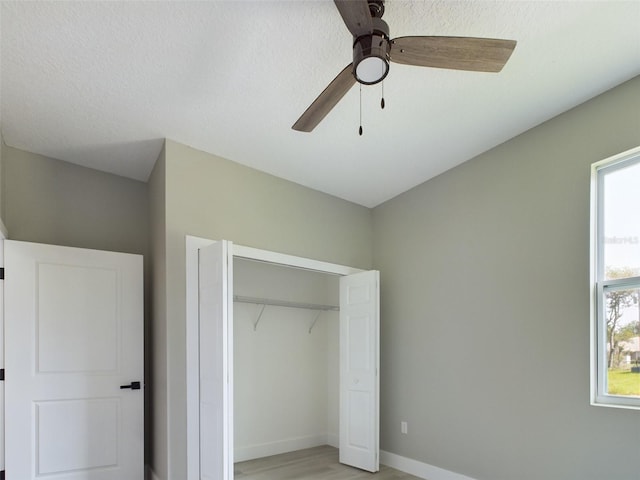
(100, 83)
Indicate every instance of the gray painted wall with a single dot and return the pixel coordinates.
(1, 178)
(2, 148)
(56, 202)
(214, 198)
(485, 308)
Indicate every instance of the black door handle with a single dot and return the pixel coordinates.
(132, 386)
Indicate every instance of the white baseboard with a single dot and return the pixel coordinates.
(275, 448)
(150, 474)
(333, 440)
(419, 469)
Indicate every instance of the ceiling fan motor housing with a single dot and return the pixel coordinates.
(371, 54)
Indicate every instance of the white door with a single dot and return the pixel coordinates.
(216, 361)
(74, 339)
(359, 365)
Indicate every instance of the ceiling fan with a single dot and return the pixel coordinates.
(373, 50)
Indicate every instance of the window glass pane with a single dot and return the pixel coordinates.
(621, 209)
(622, 315)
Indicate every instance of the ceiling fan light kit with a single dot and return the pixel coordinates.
(371, 54)
(373, 50)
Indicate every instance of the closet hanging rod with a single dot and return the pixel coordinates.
(284, 303)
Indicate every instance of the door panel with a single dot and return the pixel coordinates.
(74, 331)
(216, 361)
(359, 364)
(92, 346)
(90, 435)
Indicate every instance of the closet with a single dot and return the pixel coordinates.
(272, 366)
(286, 351)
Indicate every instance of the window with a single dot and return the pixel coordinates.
(616, 281)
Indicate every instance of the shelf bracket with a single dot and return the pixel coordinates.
(315, 320)
(255, 325)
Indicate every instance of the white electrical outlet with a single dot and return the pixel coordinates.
(403, 427)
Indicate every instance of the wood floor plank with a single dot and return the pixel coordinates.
(318, 463)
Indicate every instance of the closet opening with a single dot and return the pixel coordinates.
(272, 365)
(286, 360)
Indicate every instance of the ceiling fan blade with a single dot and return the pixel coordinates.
(356, 16)
(457, 53)
(328, 99)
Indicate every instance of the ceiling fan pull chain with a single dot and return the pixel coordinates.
(360, 129)
(382, 100)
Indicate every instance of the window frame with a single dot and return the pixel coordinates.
(600, 286)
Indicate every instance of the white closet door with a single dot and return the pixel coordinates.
(359, 365)
(216, 361)
(74, 331)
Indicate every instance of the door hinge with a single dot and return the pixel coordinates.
(1, 380)
(1, 278)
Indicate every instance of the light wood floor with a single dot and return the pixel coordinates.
(310, 464)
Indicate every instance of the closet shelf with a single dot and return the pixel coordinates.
(284, 303)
